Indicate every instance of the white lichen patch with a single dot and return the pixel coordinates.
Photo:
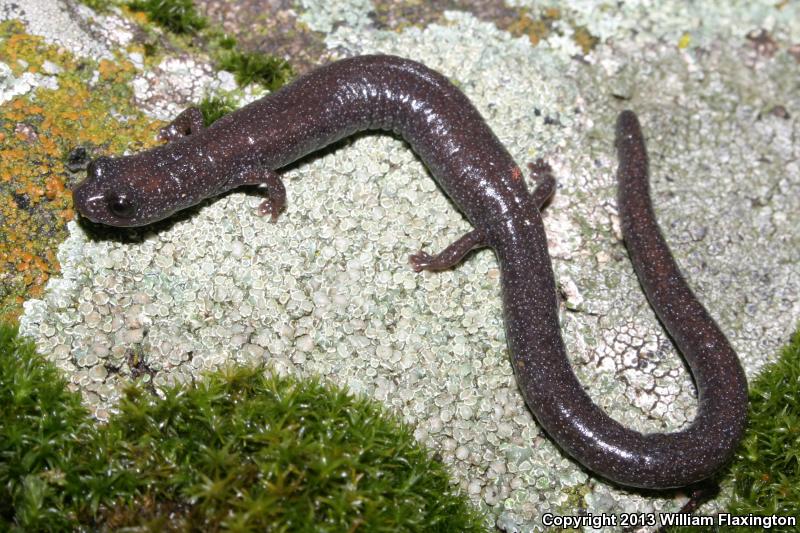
(12, 86)
(646, 21)
(58, 22)
(109, 27)
(177, 82)
(327, 290)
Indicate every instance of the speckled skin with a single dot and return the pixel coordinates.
(470, 164)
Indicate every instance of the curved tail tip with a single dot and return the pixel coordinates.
(628, 128)
(627, 122)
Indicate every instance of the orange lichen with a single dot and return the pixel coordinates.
(106, 69)
(584, 39)
(542, 26)
(38, 130)
(534, 29)
(54, 186)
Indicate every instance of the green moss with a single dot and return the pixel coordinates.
(177, 16)
(766, 471)
(42, 428)
(269, 71)
(226, 42)
(214, 108)
(767, 467)
(242, 450)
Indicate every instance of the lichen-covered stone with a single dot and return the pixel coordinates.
(326, 290)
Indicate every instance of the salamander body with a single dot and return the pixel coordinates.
(389, 93)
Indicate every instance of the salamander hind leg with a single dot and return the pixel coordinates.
(450, 256)
(453, 254)
(189, 122)
(542, 174)
(271, 180)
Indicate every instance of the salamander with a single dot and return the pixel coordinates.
(381, 92)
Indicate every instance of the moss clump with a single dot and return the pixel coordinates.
(41, 430)
(767, 467)
(242, 450)
(177, 16)
(248, 67)
(214, 108)
(225, 41)
(252, 451)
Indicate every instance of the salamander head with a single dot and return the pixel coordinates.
(131, 190)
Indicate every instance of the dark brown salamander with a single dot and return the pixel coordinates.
(470, 164)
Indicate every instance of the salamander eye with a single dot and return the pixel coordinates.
(121, 205)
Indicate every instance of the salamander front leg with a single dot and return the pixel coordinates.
(542, 174)
(276, 192)
(189, 122)
(450, 256)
